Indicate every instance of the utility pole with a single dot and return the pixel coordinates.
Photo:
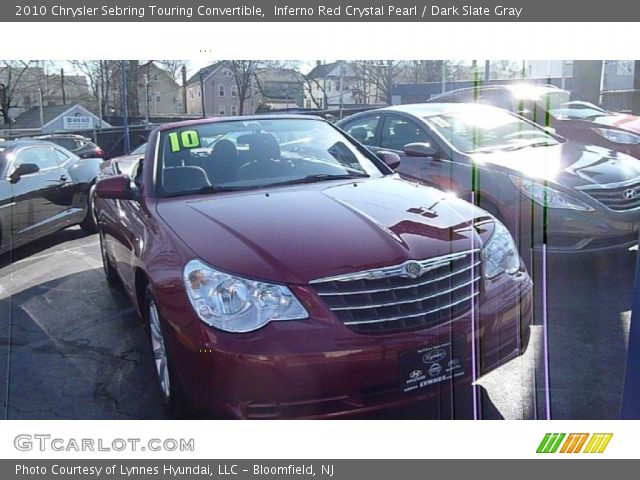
(341, 88)
(41, 110)
(389, 81)
(184, 89)
(64, 96)
(201, 74)
(146, 97)
(487, 71)
(635, 100)
(123, 105)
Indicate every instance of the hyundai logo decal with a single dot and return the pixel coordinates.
(629, 194)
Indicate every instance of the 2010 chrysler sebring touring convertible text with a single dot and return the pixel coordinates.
(285, 271)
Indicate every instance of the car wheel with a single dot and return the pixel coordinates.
(90, 224)
(173, 397)
(109, 270)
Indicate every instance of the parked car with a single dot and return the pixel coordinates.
(124, 164)
(43, 188)
(284, 278)
(551, 193)
(79, 145)
(570, 115)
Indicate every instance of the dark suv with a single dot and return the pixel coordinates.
(81, 146)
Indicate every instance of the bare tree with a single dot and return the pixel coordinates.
(383, 75)
(173, 67)
(11, 75)
(243, 73)
(100, 74)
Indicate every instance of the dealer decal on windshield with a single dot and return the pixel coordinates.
(184, 140)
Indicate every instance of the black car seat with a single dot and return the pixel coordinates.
(403, 133)
(360, 134)
(183, 179)
(222, 165)
(264, 152)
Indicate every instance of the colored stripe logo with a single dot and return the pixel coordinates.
(574, 443)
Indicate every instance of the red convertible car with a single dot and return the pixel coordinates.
(285, 271)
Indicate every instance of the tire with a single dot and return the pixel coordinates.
(174, 398)
(109, 270)
(90, 224)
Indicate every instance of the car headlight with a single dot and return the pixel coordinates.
(500, 253)
(618, 136)
(236, 304)
(549, 197)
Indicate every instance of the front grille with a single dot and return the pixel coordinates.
(389, 300)
(618, 198)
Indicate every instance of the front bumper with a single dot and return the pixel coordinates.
(318, 368)
(569, 231)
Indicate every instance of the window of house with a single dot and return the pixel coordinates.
(221, 90)
(234, 110)
(234, 91)
(158, 98)
(191, 93)
(221, 110)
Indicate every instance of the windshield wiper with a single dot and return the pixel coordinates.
(207, 189)
(319, 177)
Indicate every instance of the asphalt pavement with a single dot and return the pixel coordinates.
(71, 347)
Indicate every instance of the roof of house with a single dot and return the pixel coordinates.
(30, 118)
(209, 68)
(322, 70)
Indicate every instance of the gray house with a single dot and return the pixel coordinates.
(217, 84)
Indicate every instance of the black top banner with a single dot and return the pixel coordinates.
(325, 11)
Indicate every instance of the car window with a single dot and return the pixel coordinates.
(61, 156)
(244, 155)
(398, 132)
(364, 129)
(41, 156)
(67, 143)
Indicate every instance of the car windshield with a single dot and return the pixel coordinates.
(139, 150)
(243, 155)
(487, 130)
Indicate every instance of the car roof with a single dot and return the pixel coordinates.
(428, 109)
(248, 118)
(11, 144)
(533, 89)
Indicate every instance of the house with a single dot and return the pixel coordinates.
(158, 91)
(329, 85)
(58, 118)
(213, 87)
(277, 89)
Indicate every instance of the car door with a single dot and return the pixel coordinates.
(400, 130)
(39, 197)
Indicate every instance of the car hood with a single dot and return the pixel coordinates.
(630, 123)
(570, 164)
(296, 234)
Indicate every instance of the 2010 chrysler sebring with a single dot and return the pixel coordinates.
(285, 271)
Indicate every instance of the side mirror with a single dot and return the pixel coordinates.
(419, 150)
(118, 187)
(22, 170)
(392, 160)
